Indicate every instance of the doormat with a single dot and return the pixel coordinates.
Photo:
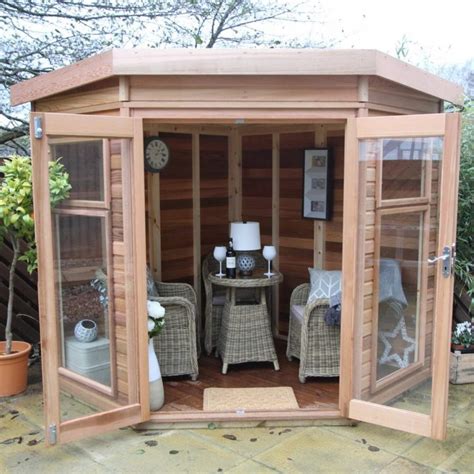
(249, 399)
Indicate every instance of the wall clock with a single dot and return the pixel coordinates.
(157, 154)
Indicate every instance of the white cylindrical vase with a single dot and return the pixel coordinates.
(157, 392)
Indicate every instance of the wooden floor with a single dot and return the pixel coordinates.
(181, 394)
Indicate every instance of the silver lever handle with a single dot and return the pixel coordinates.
(447, 258)
(432, 260)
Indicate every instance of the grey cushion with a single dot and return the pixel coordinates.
(297, 312)
(218, 300)
(324, 283)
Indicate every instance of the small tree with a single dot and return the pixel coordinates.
(16, 216)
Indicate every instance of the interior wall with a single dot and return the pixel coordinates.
(296, 234)
(296, 237)
(257, 183)
(296, 247)
(214, 191)
(176, 210)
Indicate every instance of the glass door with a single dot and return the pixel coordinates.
(92, 289)
(399, 227)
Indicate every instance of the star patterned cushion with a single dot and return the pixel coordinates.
(324, 283)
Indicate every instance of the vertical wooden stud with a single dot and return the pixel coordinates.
(350, 256)
(196, 216)
(319, 239)
(276, 224)
(235, 175)
(124, 88)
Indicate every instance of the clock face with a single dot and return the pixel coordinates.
(157, 154)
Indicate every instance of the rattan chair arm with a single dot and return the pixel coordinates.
(299, 295)
(176, 289)
(187, 307)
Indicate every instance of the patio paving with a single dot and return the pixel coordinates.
(361, 448)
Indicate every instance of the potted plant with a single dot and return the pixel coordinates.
(462, 337)
(17, 227)
(156, 321)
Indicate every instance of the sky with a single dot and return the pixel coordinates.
(440, 30)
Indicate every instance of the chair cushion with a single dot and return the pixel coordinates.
(324, 283)
(218, 300)
(297, 311)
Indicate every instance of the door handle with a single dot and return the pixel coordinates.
(447, 257)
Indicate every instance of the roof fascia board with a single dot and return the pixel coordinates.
(413, 77)
(288, 62)
(79, 74)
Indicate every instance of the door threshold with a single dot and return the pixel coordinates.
(250, 419)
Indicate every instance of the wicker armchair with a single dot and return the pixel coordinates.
(310, 339)
(214, 304)
(215, 298)
(177, 345)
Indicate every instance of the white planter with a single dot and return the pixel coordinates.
(157, 393)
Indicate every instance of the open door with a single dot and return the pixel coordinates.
(398, 255)
(92, 261)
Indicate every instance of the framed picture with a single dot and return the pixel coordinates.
(317, 186)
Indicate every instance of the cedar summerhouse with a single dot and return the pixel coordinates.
(238, 125)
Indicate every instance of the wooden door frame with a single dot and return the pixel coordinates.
(446, 125)
(137, 410)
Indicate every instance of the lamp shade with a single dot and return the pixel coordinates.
(245, 235)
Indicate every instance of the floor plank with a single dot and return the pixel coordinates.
(182, 394)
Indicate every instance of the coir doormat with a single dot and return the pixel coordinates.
(249, 399)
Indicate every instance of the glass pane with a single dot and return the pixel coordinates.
(84, 161)
(81, 279)
(404, 163)
(399, 286)
(399, 291)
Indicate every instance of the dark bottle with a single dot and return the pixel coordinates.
(230, 260)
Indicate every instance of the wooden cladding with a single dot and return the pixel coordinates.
(238, 178)
(213, 185)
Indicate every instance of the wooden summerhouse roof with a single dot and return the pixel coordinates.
(234, 62)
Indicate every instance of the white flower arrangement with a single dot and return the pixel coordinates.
(463, 334)
(156, 318)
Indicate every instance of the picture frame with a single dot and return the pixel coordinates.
(317, 184)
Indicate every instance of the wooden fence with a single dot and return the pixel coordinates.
(24, 328)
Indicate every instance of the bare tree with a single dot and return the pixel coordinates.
(42, 35)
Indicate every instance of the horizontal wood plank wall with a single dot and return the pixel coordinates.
(95, 94)
(214, 200)
(243, 88)
(176, 202)
(384, 92)
(118, 265)
(296, 233)
(257, 183)
(333, 251)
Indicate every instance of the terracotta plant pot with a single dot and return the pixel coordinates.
(457, 347)
(14, 368)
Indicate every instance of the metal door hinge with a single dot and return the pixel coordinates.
(52, 434)
(38, 127)
(447, 258)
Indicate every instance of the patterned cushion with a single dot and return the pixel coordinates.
(324, 283)
(150, 284)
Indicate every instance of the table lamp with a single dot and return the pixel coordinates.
(246, 237)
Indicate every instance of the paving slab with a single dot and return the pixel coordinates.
(320, 450)
(248, 442)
